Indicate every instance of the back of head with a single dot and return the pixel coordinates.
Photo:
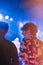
(3, 27)
(30, 26)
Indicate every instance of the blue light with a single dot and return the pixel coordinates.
(1, 17)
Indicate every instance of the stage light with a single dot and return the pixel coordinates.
(1, 17)
(11, 19)
(21, 24)
(6, 17)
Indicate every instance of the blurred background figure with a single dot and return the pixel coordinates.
(31, 47)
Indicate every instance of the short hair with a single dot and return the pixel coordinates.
(30, 26)
(3, 25)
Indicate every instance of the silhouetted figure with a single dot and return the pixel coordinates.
(8, 51)
(31, 47)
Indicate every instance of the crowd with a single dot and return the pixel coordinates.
(30, 50)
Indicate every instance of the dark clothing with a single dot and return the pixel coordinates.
(8, 53)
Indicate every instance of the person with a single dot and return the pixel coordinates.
(31, 47)
(8, 51)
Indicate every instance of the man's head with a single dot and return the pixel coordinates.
(3, 28)
(29, 28)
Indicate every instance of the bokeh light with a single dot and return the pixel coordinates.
(1, 17)
(7, 17)
(11, 19)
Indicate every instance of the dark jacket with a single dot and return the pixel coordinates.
(8, 53)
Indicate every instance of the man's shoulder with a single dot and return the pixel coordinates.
(40, 42)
